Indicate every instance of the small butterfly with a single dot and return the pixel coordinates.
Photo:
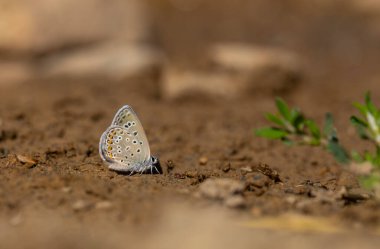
(124, 146)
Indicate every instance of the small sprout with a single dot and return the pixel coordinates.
(291, 126)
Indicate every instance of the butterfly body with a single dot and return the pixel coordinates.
(124, 145)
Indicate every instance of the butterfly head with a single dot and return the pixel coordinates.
(156, 164)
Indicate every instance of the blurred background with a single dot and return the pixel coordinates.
(324, 41)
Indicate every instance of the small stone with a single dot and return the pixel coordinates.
(220, 189)
(29, 162)
(226, 167)
(103, 205)
(246, 169)
(170, 165)
(268, 171)
(80, 205)
(235, 201)
(257, 180)
(66, 190)
(291, 200)
(203, 160)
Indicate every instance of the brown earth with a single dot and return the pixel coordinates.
(55, 190)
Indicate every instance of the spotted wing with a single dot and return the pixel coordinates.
(122, 149)
(127, 118)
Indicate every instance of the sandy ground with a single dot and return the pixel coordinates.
(68, 197)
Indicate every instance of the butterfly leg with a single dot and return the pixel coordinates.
(132, 172)
(142, 170)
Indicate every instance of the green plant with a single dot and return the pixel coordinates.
(293, 128)
(368, 128)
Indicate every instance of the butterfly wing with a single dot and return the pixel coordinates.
(121, 149)
(127, 118)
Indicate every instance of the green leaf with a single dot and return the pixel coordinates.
(274, 119)
(299, 123)
(271, 133)
(370, 106)
(283, 109)
(361, 126)
(314, 130)
(360, 122)
(338, 151)
(361, 108)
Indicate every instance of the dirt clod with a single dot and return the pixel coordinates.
(268, 171)
(170, 165)
(257, 180)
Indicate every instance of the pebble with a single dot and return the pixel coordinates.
(257, 180)
(226, 167)
(235, 201)
(203, 160)
(29, 162)
(246, 169)
(103, 205)
(66, 190)
(80, 205)
(228, 191)
(170, 165)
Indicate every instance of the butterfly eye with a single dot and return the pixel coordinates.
(134, 141)
(138, 150)
(135, 133)
(133, 123)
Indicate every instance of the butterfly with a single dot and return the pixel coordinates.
(124, 146)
